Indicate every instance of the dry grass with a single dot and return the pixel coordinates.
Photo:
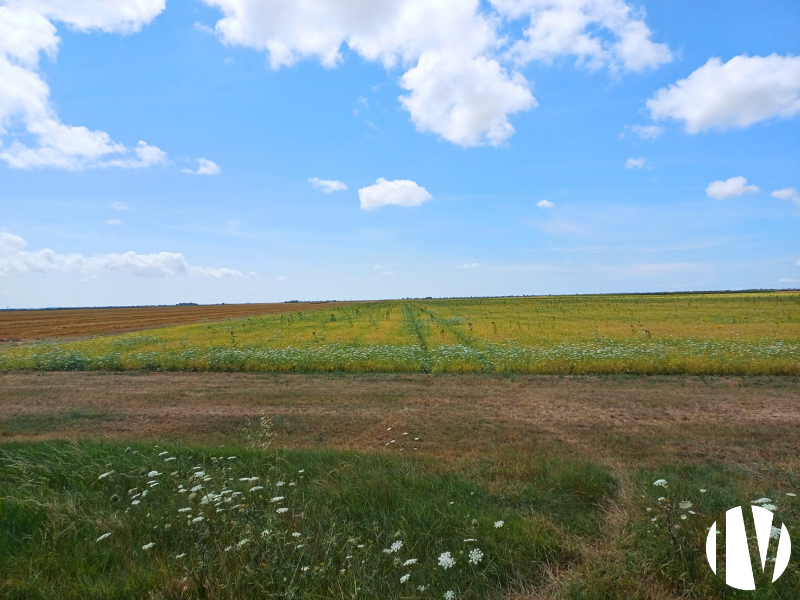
(626, 421)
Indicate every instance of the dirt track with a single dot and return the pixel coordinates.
(81, 322)
(627, 421)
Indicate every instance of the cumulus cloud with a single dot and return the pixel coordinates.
(468, 266)
(327, 185)
(738, 93)
(206, 167)
(545, 204)
(114, 222)
(120, 206)
(400, 192)
(459, 56)
(15, 260)
(789, 194)
(27, 32)
(599, 33)
(730, 188)
(634, 163)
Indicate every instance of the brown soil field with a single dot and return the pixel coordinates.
(18, 325)
(644, 421)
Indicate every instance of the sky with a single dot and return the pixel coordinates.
(231, 151)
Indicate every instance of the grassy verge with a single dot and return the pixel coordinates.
(193, 522)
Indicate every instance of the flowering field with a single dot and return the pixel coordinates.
(745, 333)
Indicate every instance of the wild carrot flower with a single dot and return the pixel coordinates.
(410, 561)
(153, 474)
(394, 547)
(196, 488)
(135, 502)
(449, 595)
(405, 578)
(266, 532)
(279, 484)
(660, 483)
(169, 458)
(498, 524)
(446, 561)
(180, 555)
(296, 534)
(302, 471)
(470, 540)
(197, 519)
(276, 499)
(791, 494)
(199, 474)
(475, 556)
(187, 509)
(104, 475)
(280, 511)
(102, 537)
(148, 546)
(256, 488)
(685, 505)
(163, 453)
(770, 507)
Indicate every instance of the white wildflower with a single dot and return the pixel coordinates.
(104, 475)
(187, 509)
(243, 542)
(196, 488)
(206, 478)
(228, 549)
(774, 533)
(199, 474)
(791, 494)
(446, 561)
(153, 474)
(163, 453)
(169, 458)
(702, 491)
(197, 519)
(180, 555)
(421, 588)
(394, 547)
(302, 471)
(662, 499)
(762, 501)
(685, 505)
(475, 556)
(410, 561)
(154, 484)
(135, 502)
(498, 524)
(276, 499)
(660, 483)
(470, 540)
(296, 534)
(280, 511)
(292, 483)
(770, 507)
(405, 578)
(683, 517)
(148, 546)
(266, 532)
(304, 568)
(360, 546)
(105, 535)
(449, 595)
(279, 484)
(231, 457)
(256, 488)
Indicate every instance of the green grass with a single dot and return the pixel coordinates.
(347, 509)
(719, 334)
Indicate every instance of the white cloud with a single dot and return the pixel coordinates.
(14, 260)
(400, 192)
(120, 206)
(387, 273)
(281, 278)
(206, 167)
(730, 188)
(456, 53)
(327, 185)
(634, 163)
(468, 266)
(27, 31)
(545, 204)
(582, 28)
(114, 222)
(787, 280)
(738, 93)
(789, 194)
(645, 132)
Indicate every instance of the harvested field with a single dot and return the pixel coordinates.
(85, 322)
(618, 420)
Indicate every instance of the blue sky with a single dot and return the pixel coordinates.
(491, 108)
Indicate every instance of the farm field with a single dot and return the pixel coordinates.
(120, 485)
(82, 322)
(722, 334)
